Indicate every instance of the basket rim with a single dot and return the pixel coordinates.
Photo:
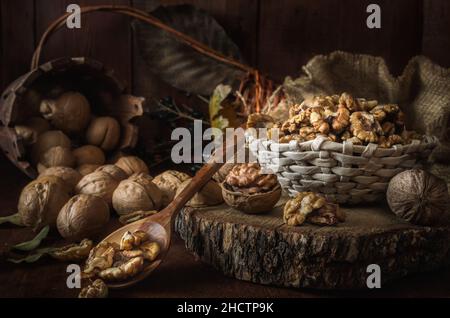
(321, 143)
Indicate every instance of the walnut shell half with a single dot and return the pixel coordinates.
(251, 203)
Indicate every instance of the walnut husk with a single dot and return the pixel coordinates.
(58, 157)
(116, 172)
(132, 165)
(70, 112)
(41, 200)
(251, 203)
(104, 132)
(209, 195)
(47, 140)
(68, 175)
(168, 182)
(419, 197)
(89, 154)
(136, 193)
(100, 184)
(83, 216)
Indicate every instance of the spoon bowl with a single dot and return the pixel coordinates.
(156, 233)
(159, 226)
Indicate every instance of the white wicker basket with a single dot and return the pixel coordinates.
(343, 172)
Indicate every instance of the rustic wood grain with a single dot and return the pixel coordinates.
(436, 31)
(292, 32)
(262, 249)
(17, 39)
(103, 36)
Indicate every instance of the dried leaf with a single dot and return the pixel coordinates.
(177, 63)
(72, 253)
(217, 120)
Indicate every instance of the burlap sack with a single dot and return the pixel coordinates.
(422, 91)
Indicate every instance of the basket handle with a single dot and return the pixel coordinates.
(145, 17)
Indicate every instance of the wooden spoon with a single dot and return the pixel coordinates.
(159, 226)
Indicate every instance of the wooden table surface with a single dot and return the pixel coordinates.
(181, 275)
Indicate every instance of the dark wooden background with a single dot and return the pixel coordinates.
(277, 36)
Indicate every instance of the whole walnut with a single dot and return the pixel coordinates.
(419, 197)
(27, 135)
(104, 132)
(58, 157)
(136, 193)
(70, 112)
(84, 170)
(116, 172)
(47, 140)
(41, 200)
(68, 175)
(83, 216)
(209, 195)
(98, 183)
(132, 165)
(168, 182)
(89, 155)
(38, 124)
(248, 190)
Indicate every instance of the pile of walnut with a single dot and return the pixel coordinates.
(65, 133)
(342, 118)
(312, 208)
(117, 262)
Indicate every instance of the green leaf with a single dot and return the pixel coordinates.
(34, 243)
(29, 259)
(14, 219)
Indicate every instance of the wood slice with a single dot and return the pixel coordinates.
(262, 249)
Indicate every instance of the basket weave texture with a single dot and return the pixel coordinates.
(343, 172)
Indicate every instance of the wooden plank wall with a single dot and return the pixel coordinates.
(277, 36)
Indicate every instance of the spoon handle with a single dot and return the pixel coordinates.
(205, 174)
